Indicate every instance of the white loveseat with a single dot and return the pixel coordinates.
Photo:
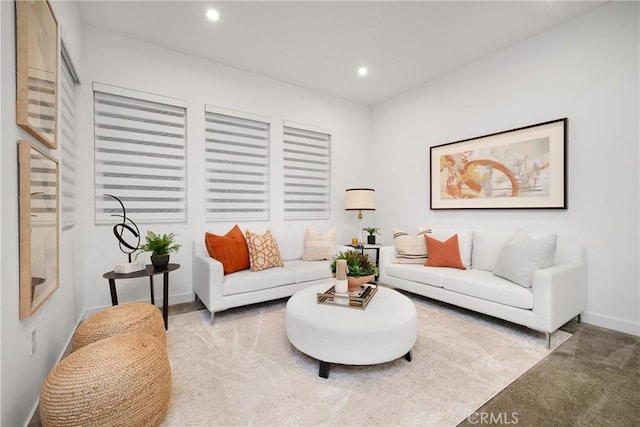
(556, 296)
(219, 292)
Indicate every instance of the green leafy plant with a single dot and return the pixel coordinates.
(159, 244)
(372, 230)
(358, 264)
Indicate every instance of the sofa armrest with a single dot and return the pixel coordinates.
(208, 278)
(559, 293)
(387, 256)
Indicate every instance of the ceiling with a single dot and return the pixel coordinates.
(320, 45)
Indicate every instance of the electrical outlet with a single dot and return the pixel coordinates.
(33, 342)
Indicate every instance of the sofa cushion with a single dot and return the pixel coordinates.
(230, 249)
(249, 281)
(306, 271)
(486, 247)
(521, 256)
(263, 251)
(410, 249)
(319, 246)
(417, 273)
(484, 285)
(443, 254)
(465, 241)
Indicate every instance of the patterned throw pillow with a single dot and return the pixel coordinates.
(410, 249)
(318, 246)
(263, 251)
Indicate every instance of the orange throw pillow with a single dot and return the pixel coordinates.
(231, 249)
(443, 254)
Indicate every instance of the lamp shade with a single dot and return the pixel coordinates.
(360, 199)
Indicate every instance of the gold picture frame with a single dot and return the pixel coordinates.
(37, 70)
(39, 227)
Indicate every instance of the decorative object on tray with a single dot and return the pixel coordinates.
(354, 283)
(357, 299)
(160, 247)
(127, 225)
(371, 238)
(360, 269)
(341, 276)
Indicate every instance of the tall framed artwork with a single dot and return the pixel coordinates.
(39, 227)
(37, 69)
(523, 168)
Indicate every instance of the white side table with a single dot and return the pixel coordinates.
(386, 330)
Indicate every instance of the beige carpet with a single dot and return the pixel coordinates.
(243, 371)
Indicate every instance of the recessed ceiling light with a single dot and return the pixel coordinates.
(363, 71)
(213, 14)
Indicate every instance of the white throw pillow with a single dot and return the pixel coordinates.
(318, 246)
(521, 256)
(486, 247)
(410, 249)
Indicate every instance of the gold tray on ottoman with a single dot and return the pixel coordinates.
(358, 299)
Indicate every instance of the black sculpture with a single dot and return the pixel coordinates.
(119, 229)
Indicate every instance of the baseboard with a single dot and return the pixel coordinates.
(611, 323)
(173, 299)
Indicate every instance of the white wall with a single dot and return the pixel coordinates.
(586, 70)
(22, 375)
(119, 61)
(1, 194)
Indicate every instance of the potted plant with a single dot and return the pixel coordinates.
(160, 247)
(371, 238)
(360, 269)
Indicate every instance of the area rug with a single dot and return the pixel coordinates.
(242, 371)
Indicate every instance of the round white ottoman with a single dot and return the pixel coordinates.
(385, 330)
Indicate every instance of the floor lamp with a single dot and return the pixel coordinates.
(360, 199)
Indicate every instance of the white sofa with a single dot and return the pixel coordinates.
(557, 294)
(219, 292)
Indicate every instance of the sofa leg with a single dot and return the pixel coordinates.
(212, 315)
(579, 318)
(548, 339)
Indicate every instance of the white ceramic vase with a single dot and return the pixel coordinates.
(342, 286)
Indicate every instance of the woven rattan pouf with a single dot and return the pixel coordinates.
(124, 380)
(120, 319)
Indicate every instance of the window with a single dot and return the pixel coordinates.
(236, 165)
(307, 171)
(140, 155)
(68, 140)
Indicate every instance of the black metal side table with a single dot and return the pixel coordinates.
(150, 271)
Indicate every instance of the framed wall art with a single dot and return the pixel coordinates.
(37, 69)
(522, 168)
(39, 225)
